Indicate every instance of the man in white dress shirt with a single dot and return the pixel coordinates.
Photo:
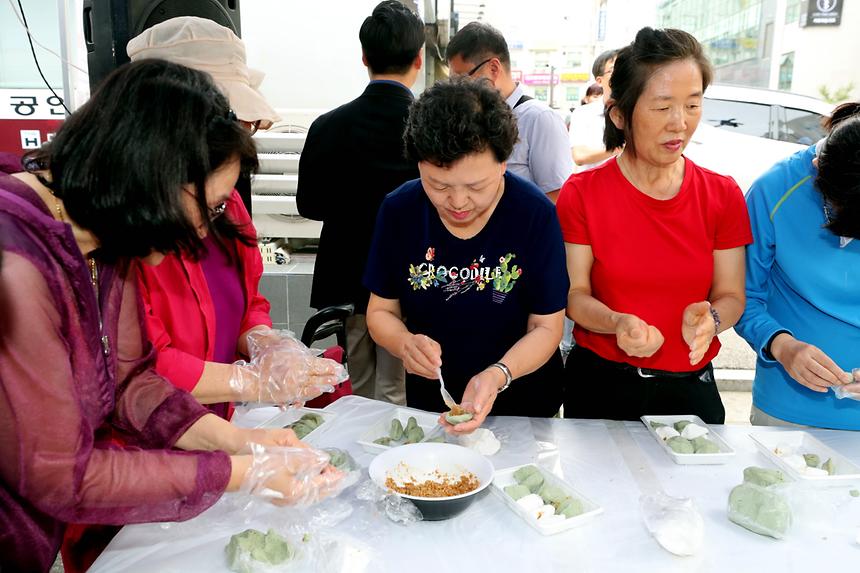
(542, 154)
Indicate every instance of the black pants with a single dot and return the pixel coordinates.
(599, 388)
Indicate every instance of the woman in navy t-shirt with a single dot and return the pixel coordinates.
(466, 271)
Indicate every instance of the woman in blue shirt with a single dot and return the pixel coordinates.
(802, 314)
(467, 269)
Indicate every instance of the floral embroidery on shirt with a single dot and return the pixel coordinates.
(455, 281)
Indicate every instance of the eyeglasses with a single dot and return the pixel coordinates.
(217, 210)
(478, 67)
(251, 126)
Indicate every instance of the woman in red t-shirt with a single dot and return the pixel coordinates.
(655, 246)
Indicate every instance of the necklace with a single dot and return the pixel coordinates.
(58, 208)
(94, 279)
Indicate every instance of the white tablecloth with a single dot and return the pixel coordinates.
(612, 463)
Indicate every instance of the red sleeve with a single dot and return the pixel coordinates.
(257, 311)
(733, 221)
(181, 368)
(571, 212)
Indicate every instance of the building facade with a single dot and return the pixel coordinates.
(804, 46)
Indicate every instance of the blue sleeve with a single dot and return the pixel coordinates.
(550, 284)
(380, 274)
(756, 325)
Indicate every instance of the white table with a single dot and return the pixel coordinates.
(612, 463)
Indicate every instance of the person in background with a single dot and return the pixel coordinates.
(124, 177)
(203, 309)
(593, 93)
(466, 270)
(352, 158)
(541, 154)
(587, 122)
(802, 314)
(655, 247)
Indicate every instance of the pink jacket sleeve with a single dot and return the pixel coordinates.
(181, 368)
(53, 396)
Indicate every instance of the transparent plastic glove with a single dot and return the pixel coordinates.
(282, 370)
(291, 476)
(850, 391)
(674, 522)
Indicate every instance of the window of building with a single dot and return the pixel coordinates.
(572, 93)
(792, 11)
(541, 93)
(739, 117)
(786, 71)
(573, 60)
(800, 126)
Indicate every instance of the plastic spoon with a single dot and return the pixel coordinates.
(446, 397)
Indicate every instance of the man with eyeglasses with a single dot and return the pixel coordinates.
(587, 122)
(542, 154)
(352, 158)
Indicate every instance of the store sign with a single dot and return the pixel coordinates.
(822, 13)
(540, 79)
(28, 118)
(574, 76)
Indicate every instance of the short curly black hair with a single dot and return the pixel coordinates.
(458, 117)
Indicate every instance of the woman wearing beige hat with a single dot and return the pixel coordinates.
(203, 313)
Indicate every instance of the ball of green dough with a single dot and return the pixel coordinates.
(516, 491)
(571, 507)
(454, 420)
(679, 426)
(762, 476)
(812, 460)
(829, 466)
(533, 482)
(395, 431)
(521, 474)
(252, 547)
(703, 445)
(759, 510)
(680, 445)
(552, 495)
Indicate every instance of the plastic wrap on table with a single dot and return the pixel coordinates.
(674, 522)
(395, 508)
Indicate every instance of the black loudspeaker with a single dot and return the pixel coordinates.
(110, 24)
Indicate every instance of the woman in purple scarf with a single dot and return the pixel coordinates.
(128, 175)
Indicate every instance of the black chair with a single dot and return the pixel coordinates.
(326, 322)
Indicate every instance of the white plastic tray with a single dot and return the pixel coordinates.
(726, 452)
(429, 423)
(505, 477)
(283, 418)
(803, 443)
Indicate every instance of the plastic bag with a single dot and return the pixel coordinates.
(397, 509)
(759, 504)
(845, 391)
(674, 522)
(317, 551)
